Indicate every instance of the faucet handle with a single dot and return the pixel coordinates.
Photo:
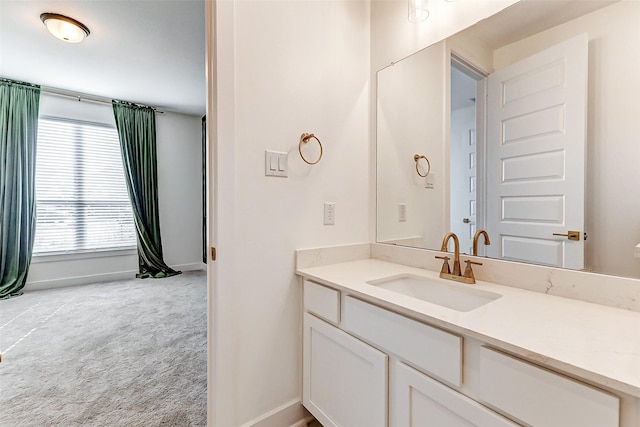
(445, 265)
(468, 272)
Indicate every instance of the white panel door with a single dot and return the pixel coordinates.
(419, 401)
(344, 379)
(463, 186)
(535, 158)
(469, 195)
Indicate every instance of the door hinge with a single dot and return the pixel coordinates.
(213, 253)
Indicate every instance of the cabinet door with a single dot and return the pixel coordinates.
(344, 379)
(538, 397)
(419, 401)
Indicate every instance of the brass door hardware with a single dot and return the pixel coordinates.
(571, 235)
(213, 253)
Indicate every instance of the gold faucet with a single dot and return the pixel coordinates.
(456, 253)
(456, 274)
(476, 237)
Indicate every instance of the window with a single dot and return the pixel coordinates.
(82, 200)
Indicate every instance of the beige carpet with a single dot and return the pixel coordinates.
(127, 353)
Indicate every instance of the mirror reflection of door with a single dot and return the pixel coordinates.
(535, 150)
(463, 154)
(536, 134)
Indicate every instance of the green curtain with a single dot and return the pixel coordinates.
(137, 131)
(19, 105)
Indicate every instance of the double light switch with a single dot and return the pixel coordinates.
(275, 163)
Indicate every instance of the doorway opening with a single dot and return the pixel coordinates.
(465, 121)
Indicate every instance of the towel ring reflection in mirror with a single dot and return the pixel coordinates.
(417, 158)
(304, 138)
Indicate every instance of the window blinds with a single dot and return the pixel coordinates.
(82, 200)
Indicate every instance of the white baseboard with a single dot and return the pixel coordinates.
(291, 414)
(79, 280)
(304, 422)
(103, 277)
(190, 267)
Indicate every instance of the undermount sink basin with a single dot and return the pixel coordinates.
(437, 291)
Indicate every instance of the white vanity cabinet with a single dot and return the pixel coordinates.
(432, 350)
(420, 401)
(539, 397)
(368, 366)
(347, 382)
(344, 379)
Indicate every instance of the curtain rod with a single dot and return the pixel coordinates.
(86, 97)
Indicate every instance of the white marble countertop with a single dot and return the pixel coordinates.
(597, 343)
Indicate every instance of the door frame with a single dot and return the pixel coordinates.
(221, 273)
(480, 76)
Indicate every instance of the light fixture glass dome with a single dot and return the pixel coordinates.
(418, 11)
(65, 28)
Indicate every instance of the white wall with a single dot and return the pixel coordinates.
(179, 187)
(179, 145)
(612, 130)
(282, 68)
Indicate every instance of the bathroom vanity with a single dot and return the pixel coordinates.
(386, 342)
(377, 352)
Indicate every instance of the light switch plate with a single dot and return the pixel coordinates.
(402, 212)
(329, 213)
(430, 182)
(275, 163)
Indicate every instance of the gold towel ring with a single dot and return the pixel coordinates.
(305, 137)
(417, 158)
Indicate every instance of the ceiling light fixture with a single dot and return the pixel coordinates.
(65, 28)
(418, 10)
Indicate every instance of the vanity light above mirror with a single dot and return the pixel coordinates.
(419, 11)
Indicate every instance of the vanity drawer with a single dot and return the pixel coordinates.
(432, 350)
(538, 397)
(322, 301)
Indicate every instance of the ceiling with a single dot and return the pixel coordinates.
(146, 51)
(529, 17)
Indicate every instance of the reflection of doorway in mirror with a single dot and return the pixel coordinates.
(463, 154)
